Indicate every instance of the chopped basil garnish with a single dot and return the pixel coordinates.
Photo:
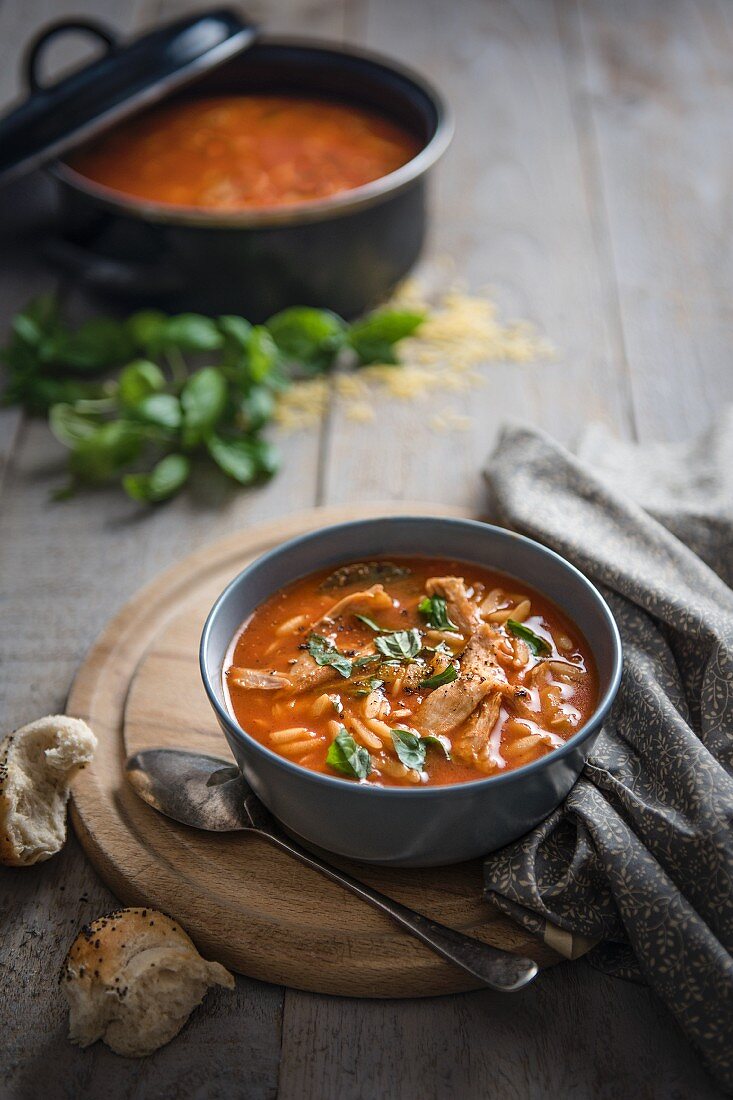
(364, 572)
(409, 748)
(438, 739)
(435, 610)
(402, 645)
(369, 622)
(538, 645)
(366, 687)
(412, 749)
(447, 676)
(324, 652)
(367, 659)
(345, 756)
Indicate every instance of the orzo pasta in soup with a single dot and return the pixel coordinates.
(410, 672)
(235, 152)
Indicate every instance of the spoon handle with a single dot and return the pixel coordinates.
(488, 965)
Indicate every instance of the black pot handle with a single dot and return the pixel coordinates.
(113, 276)
(38, 45)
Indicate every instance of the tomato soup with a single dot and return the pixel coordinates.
(410, 672)
(237, 152)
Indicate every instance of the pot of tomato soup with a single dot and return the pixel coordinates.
(294, 173)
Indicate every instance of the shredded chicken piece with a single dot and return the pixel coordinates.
(371, 599)
(450, 705)
(474, 745)
(409, 677)
(305, 673)
(256, 679)
(462, 612)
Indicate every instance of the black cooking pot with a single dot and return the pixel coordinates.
(345, 253)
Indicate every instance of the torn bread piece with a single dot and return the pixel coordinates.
(132, 979)
(37, 763)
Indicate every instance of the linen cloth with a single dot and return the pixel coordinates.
(640, 854)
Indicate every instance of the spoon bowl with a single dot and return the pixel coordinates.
(206, 792)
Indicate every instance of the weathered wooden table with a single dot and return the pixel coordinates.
(590, 184)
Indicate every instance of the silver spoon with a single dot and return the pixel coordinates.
(208, 793)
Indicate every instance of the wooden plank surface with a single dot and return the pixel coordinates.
(656, 81)
(590, 184)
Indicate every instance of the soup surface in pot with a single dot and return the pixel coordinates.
(410, 671)
(241, 151)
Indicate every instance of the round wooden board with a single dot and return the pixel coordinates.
(251, 907)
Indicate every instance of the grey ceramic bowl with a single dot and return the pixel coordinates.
(399, 826)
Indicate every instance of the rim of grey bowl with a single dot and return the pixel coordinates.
(320, 778)
(300, 213)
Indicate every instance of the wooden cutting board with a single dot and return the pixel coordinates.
(251, 907)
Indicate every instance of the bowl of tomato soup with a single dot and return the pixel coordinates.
(294, 173)
(406, 706)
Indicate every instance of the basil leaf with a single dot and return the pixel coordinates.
(402, 645)
(538, 645)
(324, 652)
(146, 329)
(236, 330)
(106, 451)
(367, 659)
(369, 622)
(440, 740)
(410, 748)
(366, 572)
(266, 456)
(40, 317)
(97, 344)
(69, 426)
(234, 457)
(345, 756)
(435, 609)
(37, 394)
(373, 339)
(257, 408)
(163, 481)
(447, 676)
(310, 337)
(161, 409)
(203, 400)
(262, 352)
(138, 380)
(365, 687)
(191, 332)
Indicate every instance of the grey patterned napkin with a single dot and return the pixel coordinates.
(640, 854)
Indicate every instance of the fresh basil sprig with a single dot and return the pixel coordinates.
(539, 646)
(325, 652)
(126, 395)
(345, 756)
(435, 609)
(401, 645)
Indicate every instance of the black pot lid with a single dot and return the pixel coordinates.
(57, 117)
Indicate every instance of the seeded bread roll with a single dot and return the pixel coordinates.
(132, 978)
(37, 762)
